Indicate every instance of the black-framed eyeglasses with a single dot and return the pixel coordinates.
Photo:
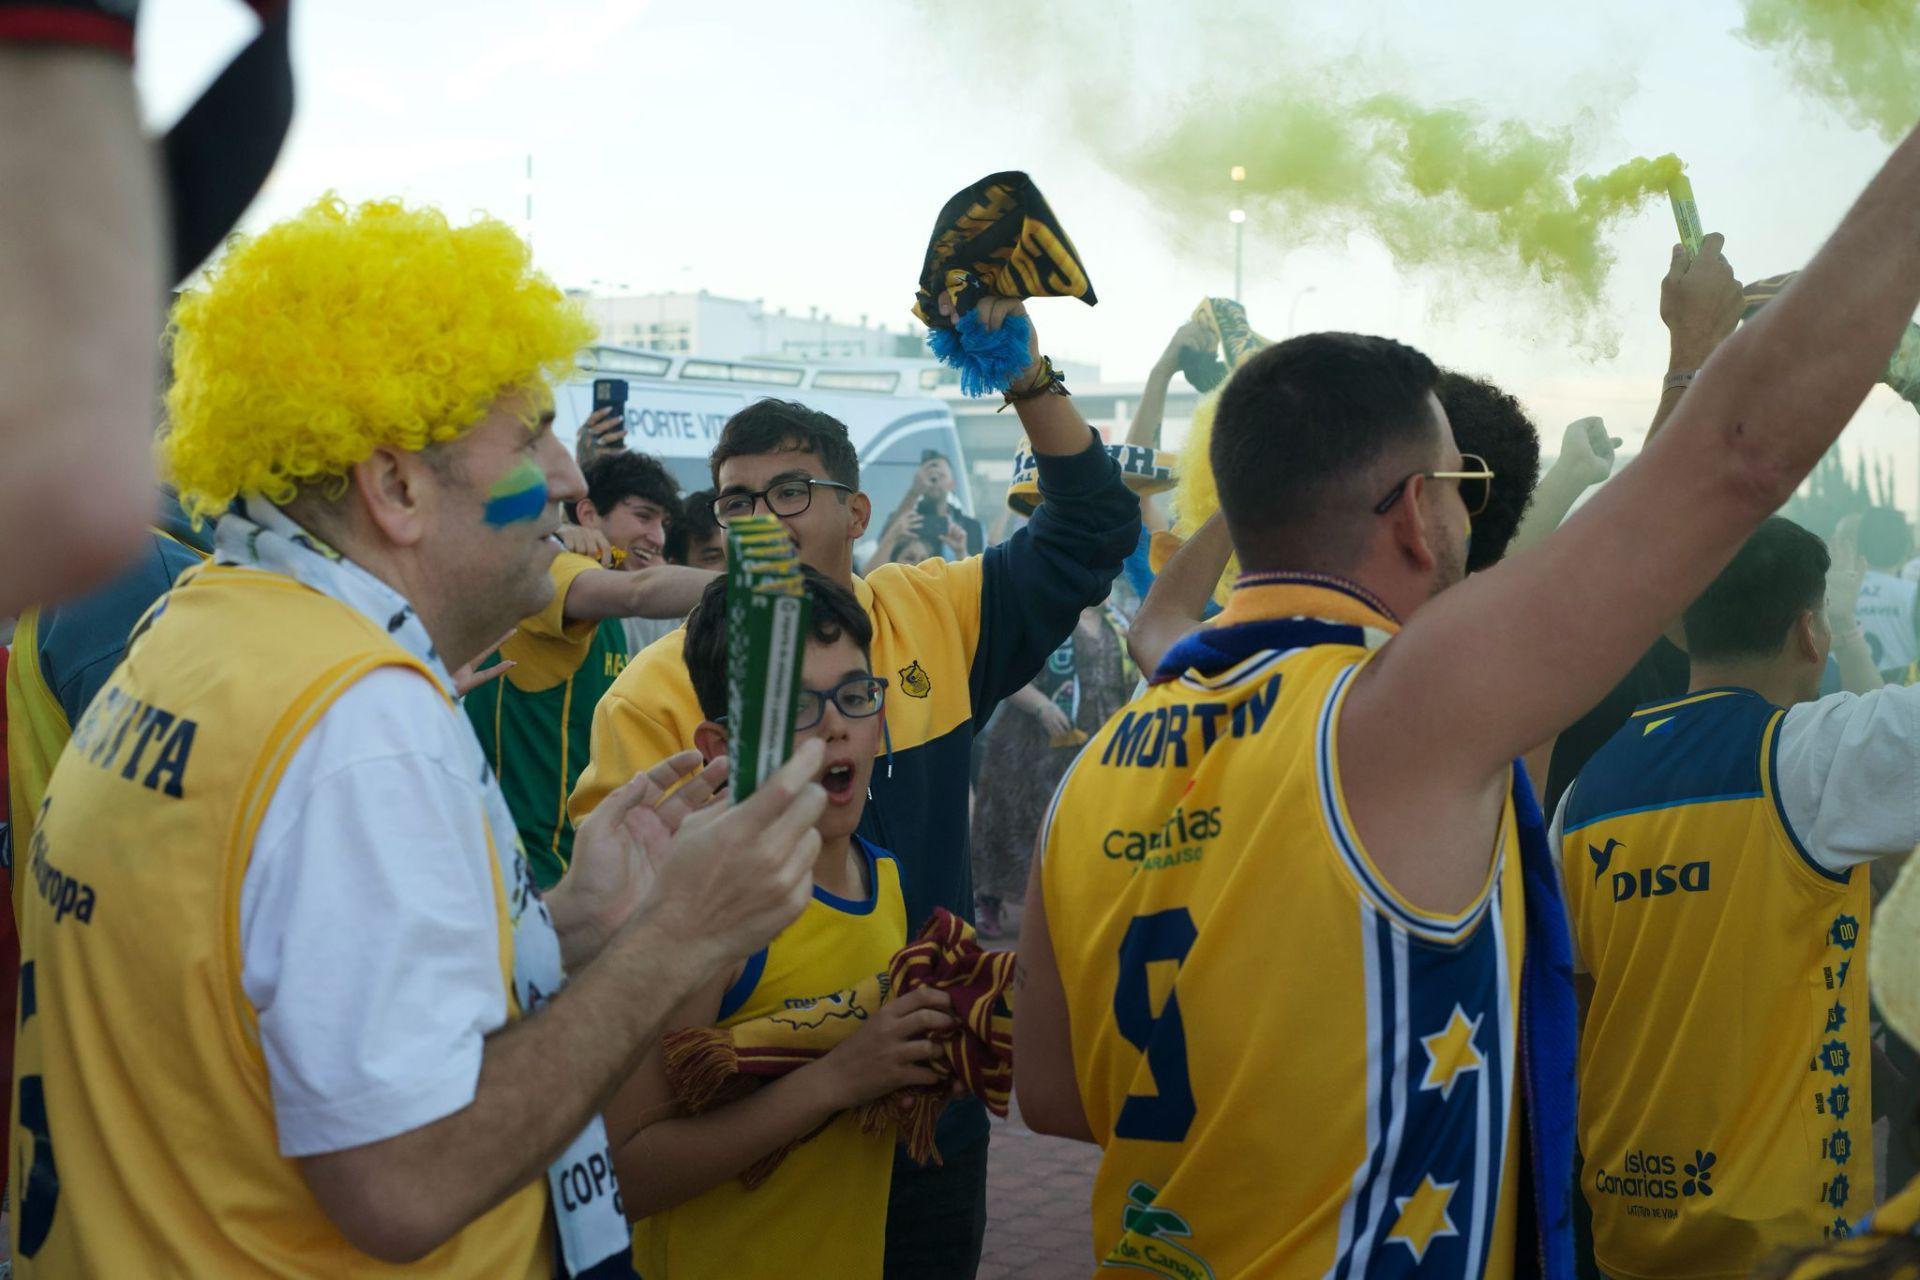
(787, 497)
(1476, 485)
(857, 697)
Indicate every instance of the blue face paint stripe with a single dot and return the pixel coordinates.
(512, 508)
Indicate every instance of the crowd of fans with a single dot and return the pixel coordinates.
(1418, 863)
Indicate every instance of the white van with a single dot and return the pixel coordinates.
(677, 404)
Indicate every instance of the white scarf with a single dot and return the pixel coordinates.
(591, 1226)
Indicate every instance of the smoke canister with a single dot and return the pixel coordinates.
(1686, 214)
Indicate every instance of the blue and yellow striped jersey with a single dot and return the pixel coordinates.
(823, 1212)
(1724, 1103)
(1291, 1069)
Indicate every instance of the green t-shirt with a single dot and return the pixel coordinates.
(536, 721)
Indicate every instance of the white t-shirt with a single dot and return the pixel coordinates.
(642, 632)
(1849, 777)
(375, 1029)
(1886, 614)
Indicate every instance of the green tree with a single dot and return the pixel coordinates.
(1830, 492)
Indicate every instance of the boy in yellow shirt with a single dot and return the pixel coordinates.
(823, 1210)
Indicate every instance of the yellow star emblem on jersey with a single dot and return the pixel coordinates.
(1423, 1216)
(1450, 1053)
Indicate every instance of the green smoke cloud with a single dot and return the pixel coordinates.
(1861, 56)
(1459, 198)
(1435, 185)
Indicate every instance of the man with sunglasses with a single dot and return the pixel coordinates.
(1323, 787)
(826, 1201)
(953, 639)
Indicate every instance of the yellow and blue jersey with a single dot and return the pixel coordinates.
(823, 1211)
(1292, 1070)
(955, 639)
(144, 1139)
(1723, 1077)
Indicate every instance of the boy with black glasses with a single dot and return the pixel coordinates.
(681, 1176)
(954, 639)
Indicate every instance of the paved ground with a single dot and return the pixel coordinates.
(1037, 1193)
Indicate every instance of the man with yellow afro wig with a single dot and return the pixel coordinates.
(292, 1005)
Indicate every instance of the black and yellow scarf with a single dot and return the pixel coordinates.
(1226, 320)
(998, 237)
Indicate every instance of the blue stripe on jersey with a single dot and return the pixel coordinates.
(1426, 1196)
(1360, 1216)
(1697, 750)
(1568, 828)
(736, 995)
(1232, 676)
(1437, 928)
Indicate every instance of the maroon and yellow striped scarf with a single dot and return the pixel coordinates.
(709, 1067)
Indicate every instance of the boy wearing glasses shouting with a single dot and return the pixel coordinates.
(826, 1201)
(954, 639)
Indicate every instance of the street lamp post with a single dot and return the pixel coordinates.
(1238, 217)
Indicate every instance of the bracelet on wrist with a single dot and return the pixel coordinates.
(1048, 381)
(1680, 379)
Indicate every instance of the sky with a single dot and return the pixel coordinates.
(798, 153)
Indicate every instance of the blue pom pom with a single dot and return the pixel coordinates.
(988, 362)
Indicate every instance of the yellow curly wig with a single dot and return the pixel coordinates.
(341, 330)
(1196, 495)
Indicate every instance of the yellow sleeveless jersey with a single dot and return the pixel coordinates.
(1724, 1103)
(823, 1212)
(144, 1140)
(1291, 1070)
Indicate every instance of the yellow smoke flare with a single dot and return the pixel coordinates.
(1457, 196)
(1438, 186)
(1861, 56)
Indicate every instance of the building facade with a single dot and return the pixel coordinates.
(720, 328)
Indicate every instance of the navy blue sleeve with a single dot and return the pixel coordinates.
(977, 539)
(82, 641)
(1035, 584)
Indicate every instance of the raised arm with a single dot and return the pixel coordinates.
(1507, 658)
(1845, 573)
(1145, 428)
(1700, 303)
(1034, 585)
(81, 253)
(1178, 598)
(1586, 459)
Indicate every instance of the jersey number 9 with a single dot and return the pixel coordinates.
(1167, 1113)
